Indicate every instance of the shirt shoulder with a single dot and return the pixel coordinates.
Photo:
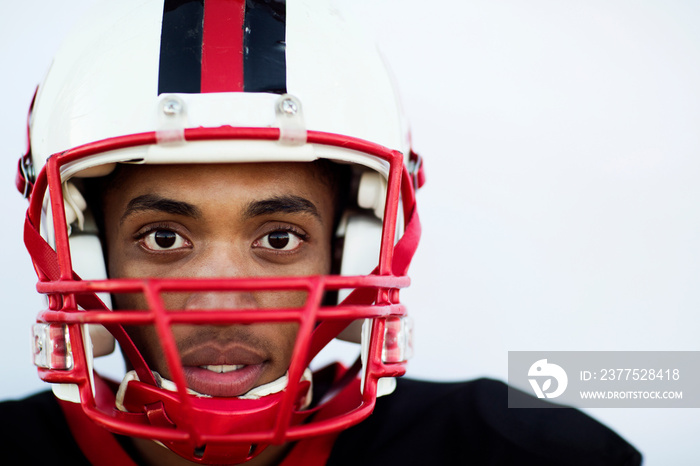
(470, 423)
(34, 431)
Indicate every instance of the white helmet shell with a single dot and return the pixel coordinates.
(104, 81)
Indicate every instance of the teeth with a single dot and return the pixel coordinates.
(223, 368)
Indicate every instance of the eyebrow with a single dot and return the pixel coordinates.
(160, 204)
(288, 204)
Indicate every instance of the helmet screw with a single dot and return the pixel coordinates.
(172, 107)
(289, 107)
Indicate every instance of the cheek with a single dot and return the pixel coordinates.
(128, 301)
(316, 262)
(282, 299)
(122, 262)
(289, 335)
(146, 340)
(326, 258)
(282, 338)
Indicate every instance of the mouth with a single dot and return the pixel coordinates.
(224, 370)
(223, 380)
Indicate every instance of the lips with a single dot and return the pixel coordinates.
(224, 384)
(225, 372)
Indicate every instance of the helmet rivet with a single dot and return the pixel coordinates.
(172, 107)
(289, 107)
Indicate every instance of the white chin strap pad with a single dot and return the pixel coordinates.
(269, 388)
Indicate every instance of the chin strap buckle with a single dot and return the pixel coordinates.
(25, 175)
(415, 169)
(25, 169)
(157, 416)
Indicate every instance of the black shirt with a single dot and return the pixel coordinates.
(428, 423)
(422, 423)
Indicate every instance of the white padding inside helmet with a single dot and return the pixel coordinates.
(363, 234)
(88, 263)
(360, 256)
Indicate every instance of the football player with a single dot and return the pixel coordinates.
(224, 187)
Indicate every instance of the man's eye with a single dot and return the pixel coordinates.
(280, 241)
(164, 240)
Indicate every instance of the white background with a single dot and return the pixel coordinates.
(562, 143)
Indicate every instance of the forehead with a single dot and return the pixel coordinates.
(212, 187)
(202, 175)
(222, 179)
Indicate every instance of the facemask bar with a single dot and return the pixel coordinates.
(375, 296)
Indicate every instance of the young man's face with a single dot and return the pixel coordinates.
(245, 220)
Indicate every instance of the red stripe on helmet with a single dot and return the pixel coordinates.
(222, 46)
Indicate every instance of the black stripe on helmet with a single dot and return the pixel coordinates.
(181, 47)
(264, 62)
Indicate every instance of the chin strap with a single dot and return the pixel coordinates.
(101, 447)
(269, 388)
(205, 417)
(315, 451)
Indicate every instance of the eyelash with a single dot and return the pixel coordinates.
(303, 237)
(151, 228)
(289, 229)
(141, 235)
(164, 226)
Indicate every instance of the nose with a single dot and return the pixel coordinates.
(221, 300)
(222, 260)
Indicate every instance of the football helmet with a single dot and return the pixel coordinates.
(144, 82)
